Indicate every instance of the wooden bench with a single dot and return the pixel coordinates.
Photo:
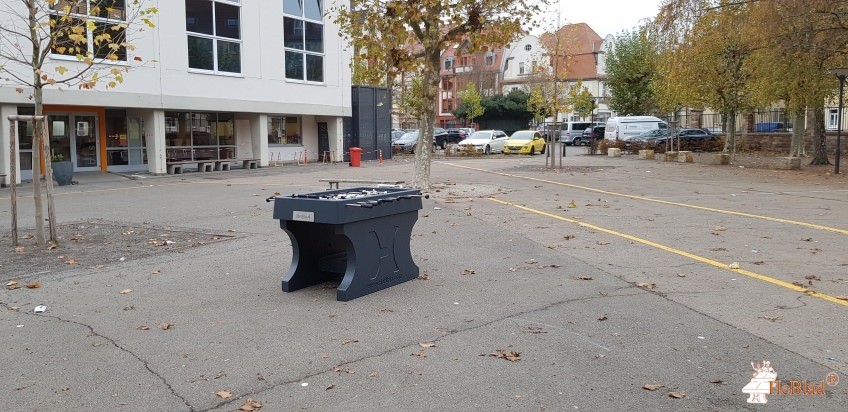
(334, 183)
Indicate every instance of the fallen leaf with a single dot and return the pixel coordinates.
(530, 262)
(603, 318)
(419, 355)
(602, 242)
(260, 377)
(770, 318)
(812, 277)
(346, 341)
(734, 265)
(600, 355)
(330, 386)
(815, 250)
(759, 262)
(647, 285)
(224, 394)
(12, 285)
(129, 307)
(20, 249)
(250, 405)
(572, 204)
(143, 327)
(652, 386)
(33, 285)
(468, 272)
(427, 344)
(99, 266)
(583, 278)
(568, 237)
(534, 330)
(677, 394)
(799, 284)
(165, 325)
(231, 230)
(424, 276)
(156, 272)
(53, 245)
(681, 275)
(719, 249)
(502, 354)
(718, 382)
(72, 262)
(719, 228)
(125, 291)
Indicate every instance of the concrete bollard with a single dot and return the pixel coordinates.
(685, 156)
(670, 156)
(614, 152)
(787, 163)
(646, 154)
(720, 159)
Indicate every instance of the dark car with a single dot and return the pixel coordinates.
(689, 138)
(452, 136)
(593, 133)
(441, 137)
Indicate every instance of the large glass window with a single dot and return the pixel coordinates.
(214, 35)
(284, 130)
(199, 136)
(303, 39)
(94, 29)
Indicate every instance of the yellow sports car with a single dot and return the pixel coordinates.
(525, 142)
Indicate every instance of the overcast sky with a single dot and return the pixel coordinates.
(604, 16)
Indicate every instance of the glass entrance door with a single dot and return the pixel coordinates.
(60, 140)
(85, 142)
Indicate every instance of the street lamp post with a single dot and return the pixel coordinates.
(840, 73)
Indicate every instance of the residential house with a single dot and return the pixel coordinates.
(462, 65)
(228, 79)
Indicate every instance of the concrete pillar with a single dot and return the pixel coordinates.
(685, 156)
(670, 156)
(646, 154)
(614, 152)
(335, 132)
(259, 138)
(7, 110)
(154, 135)
(720, 159)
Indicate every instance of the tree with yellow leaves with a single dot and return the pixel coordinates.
(410, 35)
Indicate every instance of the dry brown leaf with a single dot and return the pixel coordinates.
(530, 261)
(143, 327)
(346, 341)
(330, 386)
(224, 394)
(510, 356)
(812, 277)
(53, 245)
(156, 272)
(652, 386)
(583, 278)
(468, 272)
(424, 276)
(759, 262)
(231, 230)
(12, 285)
(427, 344)
(20, 249)
(72, 262)
(568, 237)
(647, 285)
(250, 405)
(603, 318)
(602, 242)
(33, 285)
(419, 355)
(125, 291)
(719, 228)
(99, 266)
(718, 382)
(677, 394)
(534, 330)
(681, 275)
(165, 325)
(600, 356)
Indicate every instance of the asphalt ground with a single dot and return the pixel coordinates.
(604, 277)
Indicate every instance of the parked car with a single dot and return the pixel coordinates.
(646, 140)
(452, 136)
(572, 131)
(397, 133)
(689, 137)
(525, 142)
(591, 133)
(486, 141)
(440, 137)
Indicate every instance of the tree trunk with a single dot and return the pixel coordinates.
(796, 147)
(37, 151)
(819, 138)
(730, 142)
(48, 168)
(429, 89)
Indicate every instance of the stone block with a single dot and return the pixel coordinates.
(685, 156)
(787, 163)
(720, 159)
(614, 152)
(646, 154)
(670, 156)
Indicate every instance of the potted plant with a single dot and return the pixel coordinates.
(63, 170)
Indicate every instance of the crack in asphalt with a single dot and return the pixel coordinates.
(116, 345)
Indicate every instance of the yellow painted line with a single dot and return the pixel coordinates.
(665, 202)
(701, 259)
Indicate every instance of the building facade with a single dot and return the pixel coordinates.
(462, 66)
(226, 79)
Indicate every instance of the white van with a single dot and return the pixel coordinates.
(620, 127)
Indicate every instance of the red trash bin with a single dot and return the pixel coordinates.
(355, 156)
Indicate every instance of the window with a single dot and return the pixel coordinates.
(448, 63)
(303, 40)
(832, 119)
(214, 35)
(199, 136)
(284, 130)
(528, 47)
(490, 59)
(95, 29)
(520, 67)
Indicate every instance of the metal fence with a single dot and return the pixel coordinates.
(762, 121)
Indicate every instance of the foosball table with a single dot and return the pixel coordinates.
(361, 233)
